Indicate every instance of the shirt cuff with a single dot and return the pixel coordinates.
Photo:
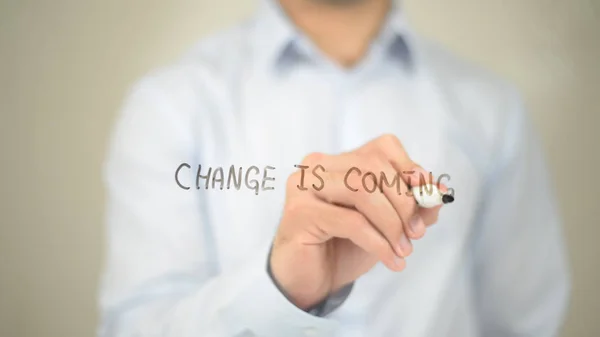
(332, 302)
(327, 305)
(264, 310)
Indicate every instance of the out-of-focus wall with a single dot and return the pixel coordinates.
(65, 66)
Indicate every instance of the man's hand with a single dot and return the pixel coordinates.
(328, 238)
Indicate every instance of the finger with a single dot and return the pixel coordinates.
(405, 205)
(430, 215)
(374, 206)
(355, 180)
(350, 224)
(391, 184)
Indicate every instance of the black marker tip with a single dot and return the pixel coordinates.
(447, 199)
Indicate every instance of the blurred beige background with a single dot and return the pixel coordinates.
(65, 66)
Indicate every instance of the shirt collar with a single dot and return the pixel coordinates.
(277, 39)
(274, 34)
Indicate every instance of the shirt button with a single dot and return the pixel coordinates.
(310, 332)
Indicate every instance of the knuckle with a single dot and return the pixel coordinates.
(313, 158)
(389, 139)
(356, 221)
(371, 161)
(369, 155)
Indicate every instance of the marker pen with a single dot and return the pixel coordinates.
(429, 196)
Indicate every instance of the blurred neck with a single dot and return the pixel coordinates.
(341, 29)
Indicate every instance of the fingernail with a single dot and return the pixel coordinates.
(399, 262)
(417, 225)
(405, 245)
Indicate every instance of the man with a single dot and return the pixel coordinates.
(305, 100)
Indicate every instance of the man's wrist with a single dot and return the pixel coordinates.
(329, 304)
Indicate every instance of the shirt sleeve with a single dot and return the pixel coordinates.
(521, 268)
(161, 275)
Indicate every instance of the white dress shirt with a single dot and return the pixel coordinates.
(192, 262)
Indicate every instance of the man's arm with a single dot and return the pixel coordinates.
(162, 276)
(520, 258)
